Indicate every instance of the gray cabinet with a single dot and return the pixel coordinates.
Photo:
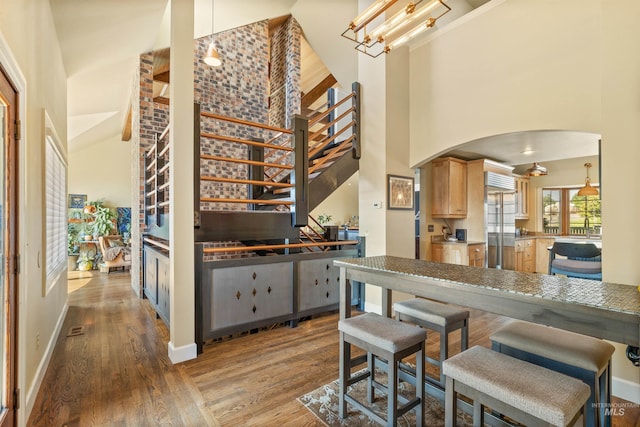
(249, 294)
(156, 281)
(319, 284)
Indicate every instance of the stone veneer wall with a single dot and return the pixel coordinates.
(285, 74)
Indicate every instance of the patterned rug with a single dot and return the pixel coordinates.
(323, 403)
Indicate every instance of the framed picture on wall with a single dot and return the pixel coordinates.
(399, 192)
(76, 201)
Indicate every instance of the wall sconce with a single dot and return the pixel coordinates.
(212, 58)
(588, 190)
(389, 35)
(536, 170)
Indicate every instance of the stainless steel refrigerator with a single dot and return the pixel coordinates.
(500, 218)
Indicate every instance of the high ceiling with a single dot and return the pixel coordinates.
(101, 42)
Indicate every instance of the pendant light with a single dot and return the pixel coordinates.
(588, 190)
(212, 58)
(536, 170)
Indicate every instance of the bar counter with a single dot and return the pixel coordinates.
(604, 310)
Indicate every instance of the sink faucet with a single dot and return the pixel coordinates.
(587, 227)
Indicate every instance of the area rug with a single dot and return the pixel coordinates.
(323, 403)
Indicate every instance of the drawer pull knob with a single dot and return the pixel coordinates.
(327, 280)
(327, 294)
(254, 275)
(269, 290)
(254, 292)
(238, 295)
(254, 309)
(316, 282)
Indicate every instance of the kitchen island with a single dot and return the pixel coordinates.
(604, 310)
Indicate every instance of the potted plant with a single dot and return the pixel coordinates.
(103, 221)
(85, 261)
(73, 245)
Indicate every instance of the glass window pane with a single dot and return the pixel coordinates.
(551, 211)
(585, 217)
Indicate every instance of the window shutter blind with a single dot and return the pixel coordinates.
(56, 225)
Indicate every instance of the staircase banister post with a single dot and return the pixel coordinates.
(355, 102)
(196, 165)
(300, 174)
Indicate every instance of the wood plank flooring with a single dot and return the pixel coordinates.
(118, 373)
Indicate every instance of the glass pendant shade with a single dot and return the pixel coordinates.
(536, 170)
(588, 190)
(212, 57)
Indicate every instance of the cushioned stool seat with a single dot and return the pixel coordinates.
(438, 317)
(391, 341)
(580, 356)
(527, 393)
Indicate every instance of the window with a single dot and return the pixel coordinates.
(56, 227)
(565, 213)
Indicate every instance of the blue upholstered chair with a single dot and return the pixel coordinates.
(583, 260)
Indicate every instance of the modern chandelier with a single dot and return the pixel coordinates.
(413, 19)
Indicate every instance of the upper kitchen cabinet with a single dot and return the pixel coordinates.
(522, 196)
(449, 188)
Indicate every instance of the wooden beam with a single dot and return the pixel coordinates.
(315, 93)
(162, 77)
(161, 100)
(126, 129)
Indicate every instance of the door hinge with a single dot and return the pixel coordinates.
(16, 130)
(16, 267)
(16, 399)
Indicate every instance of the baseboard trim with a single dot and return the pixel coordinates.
(625, 389)
(183, 353)
(32, 392)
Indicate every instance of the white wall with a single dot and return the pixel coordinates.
(342, 204)
(520, 65)
(102, 171)
(470, 80)
(28, 44)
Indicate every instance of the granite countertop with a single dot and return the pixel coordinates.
(591, 293)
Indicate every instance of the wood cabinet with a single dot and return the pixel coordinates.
(525, 252)
(542, 254)
(476, 254)
(449, 188)
(522, 196)
(458, 253)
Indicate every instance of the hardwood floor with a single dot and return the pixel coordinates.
(117, 371)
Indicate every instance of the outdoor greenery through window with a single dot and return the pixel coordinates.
(567, 214)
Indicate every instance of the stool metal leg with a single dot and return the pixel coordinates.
(392, 392)
(444, 353)
(371, 365)
(450, 404)
(420, 371)
(464, 336)
(345, 372)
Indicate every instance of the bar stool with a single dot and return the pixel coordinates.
(522, 391)
(438, 317)
(392, 341)
(579, 356)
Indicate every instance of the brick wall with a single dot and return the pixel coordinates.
(239, 88)
(285, 74)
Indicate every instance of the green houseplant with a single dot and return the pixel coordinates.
(103, 221)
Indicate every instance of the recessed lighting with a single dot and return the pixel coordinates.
(527, 152)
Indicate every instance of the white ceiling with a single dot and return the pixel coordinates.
(101, 42)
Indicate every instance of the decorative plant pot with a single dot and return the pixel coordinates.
(72, 262)
(88, 237)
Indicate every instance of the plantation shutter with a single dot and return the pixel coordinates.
(56, 226)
